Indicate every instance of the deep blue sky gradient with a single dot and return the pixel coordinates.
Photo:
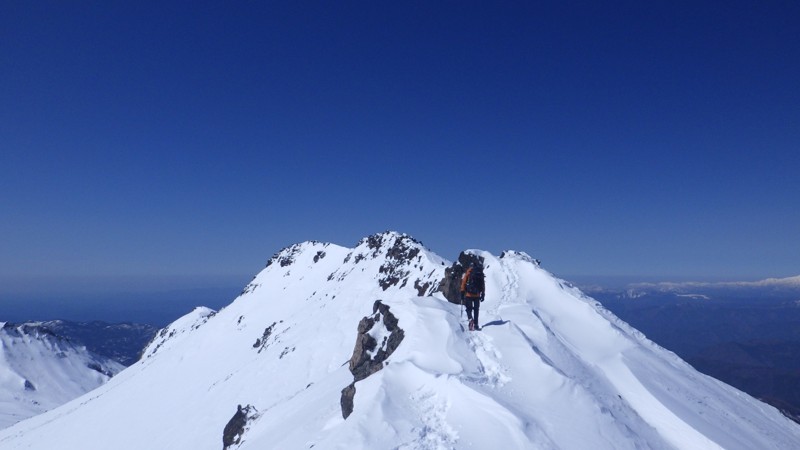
(149, 140)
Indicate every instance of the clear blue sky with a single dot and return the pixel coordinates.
(195, 139)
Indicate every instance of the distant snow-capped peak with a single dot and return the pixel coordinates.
(40, 370)
(790, 282)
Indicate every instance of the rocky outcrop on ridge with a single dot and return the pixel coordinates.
(450, 286)
(235, 428)
(369, 355)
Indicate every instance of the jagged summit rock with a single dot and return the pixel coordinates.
(389, 244)
(549, 361)
(400, 260)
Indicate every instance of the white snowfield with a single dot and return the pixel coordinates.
(39, 371)
(550, 369)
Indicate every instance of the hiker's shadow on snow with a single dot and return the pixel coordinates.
(495, 323)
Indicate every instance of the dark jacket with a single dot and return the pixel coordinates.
(479, 280)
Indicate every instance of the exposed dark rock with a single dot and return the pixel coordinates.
(423, 289)
(365, 360)
(392, 277)
(375, 242)
(249, 288)
(320, 254)
(361, 365)
(166, 334)
(389, 320)
(205, 319)
(286, 260)
(261, 343)
(29, 386)
(399, 252)
(286, 255)
(346, 402)
(450, 286)
(234, 430)
(398, 258)
(162, 337)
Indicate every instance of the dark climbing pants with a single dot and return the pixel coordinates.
(472, 303)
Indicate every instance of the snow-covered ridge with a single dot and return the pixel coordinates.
(551, 369)
(178, 329)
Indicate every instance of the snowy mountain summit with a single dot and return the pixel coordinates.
(338, 348)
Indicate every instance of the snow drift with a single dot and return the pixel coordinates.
(274, 369)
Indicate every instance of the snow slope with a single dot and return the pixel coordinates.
(40, 370)
(551, 369)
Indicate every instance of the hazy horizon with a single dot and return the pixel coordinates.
(160, 300)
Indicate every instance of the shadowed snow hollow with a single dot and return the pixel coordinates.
(551, 369)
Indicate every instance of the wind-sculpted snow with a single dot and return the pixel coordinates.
(551, 369)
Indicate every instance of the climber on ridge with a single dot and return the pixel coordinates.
(473, 290)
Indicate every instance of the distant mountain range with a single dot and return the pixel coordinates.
(122, 342)
(40, 370)
(743, 333)
(788, 283)
(728, 291)
(46, 364)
